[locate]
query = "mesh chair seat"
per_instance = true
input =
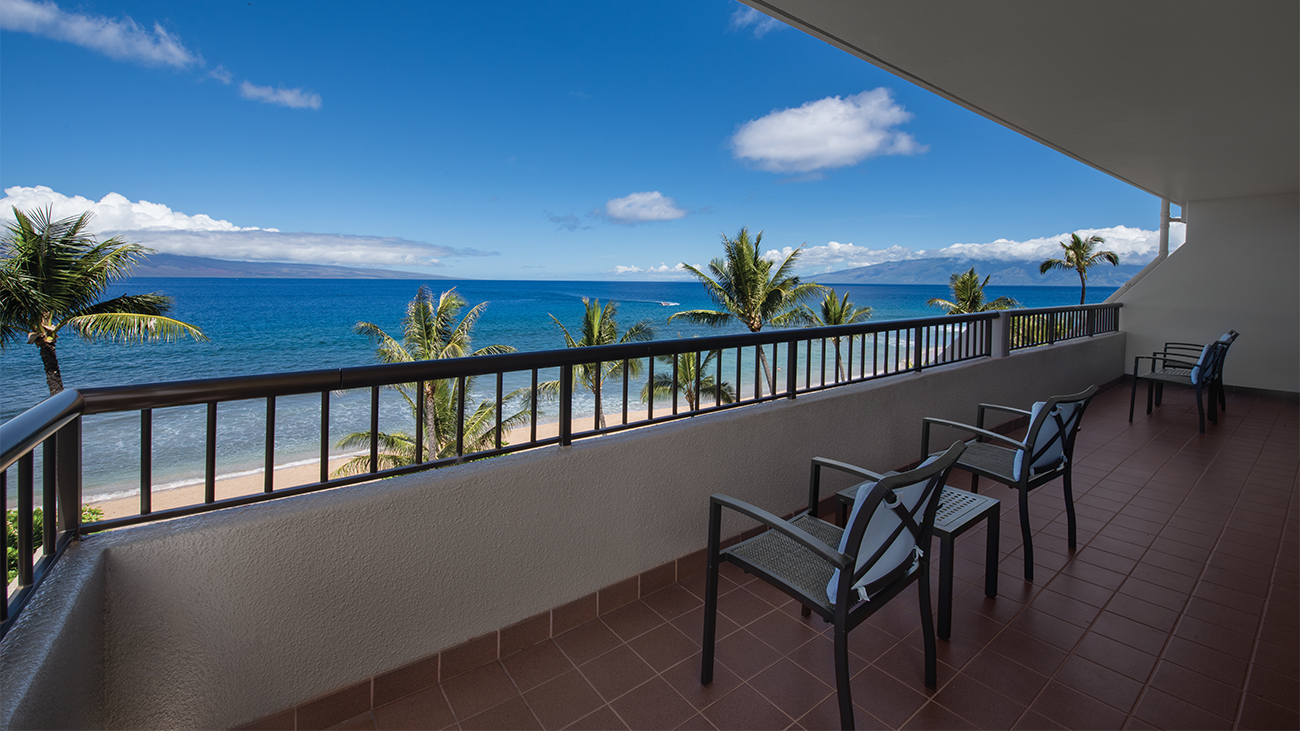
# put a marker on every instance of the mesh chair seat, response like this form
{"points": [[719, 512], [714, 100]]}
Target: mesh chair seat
{"points": [[989, 458], [1180, 376], [789, 561]]}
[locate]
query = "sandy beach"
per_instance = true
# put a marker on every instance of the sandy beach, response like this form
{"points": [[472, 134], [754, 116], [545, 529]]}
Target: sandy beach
{"points": [[304, 474]]}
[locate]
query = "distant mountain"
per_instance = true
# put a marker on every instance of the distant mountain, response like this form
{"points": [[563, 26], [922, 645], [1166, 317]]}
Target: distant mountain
{"points": [[175, 265], [1004, 273]]}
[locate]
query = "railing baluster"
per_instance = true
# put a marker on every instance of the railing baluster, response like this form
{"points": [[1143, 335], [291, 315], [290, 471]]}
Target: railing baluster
{"points": [[324, 436], [49, 467], [625, 387], [822, 375], [599, 405], [146, 461], [699, 397], [532, 409], [460, 416], [419, 418], [566, 405], [758, 372], [650, 379], [268, 469], [500, 396], [210, 468], [792, 368], [676, 375], [26, 466], [374, 429], [717, 379]]}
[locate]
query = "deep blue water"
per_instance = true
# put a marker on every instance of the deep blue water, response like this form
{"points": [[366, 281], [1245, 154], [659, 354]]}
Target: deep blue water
{"points": [[273, 326]]}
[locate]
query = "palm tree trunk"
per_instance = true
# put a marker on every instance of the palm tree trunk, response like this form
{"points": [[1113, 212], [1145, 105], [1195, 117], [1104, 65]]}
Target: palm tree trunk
{"points": [[53, 376], [1083, 284], [431, 421]]}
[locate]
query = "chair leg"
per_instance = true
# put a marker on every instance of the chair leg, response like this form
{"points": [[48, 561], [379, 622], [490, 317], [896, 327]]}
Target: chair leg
{"points": [[1071, 529], [1223, 399], [1160, 393], [974, 482], [1132, 399], [927, 626], [711, 595], [842, 677], [1024, 532], [1200, 410], [805, 611], [1151, 387]]}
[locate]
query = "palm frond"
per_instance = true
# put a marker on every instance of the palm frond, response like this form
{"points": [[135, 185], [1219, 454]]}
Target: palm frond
{"points": [[133, 328]]}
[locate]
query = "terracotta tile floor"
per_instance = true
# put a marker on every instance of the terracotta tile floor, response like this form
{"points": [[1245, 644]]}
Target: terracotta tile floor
{"points": [[1177, 611]]}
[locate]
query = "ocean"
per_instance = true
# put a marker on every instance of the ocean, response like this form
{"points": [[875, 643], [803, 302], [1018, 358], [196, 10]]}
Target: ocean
{"points": [[283, 325]]}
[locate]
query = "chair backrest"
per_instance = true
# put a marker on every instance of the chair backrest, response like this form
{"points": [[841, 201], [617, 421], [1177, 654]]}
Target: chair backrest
{"points": [[891, 520], [1207, 366], [1053, 425]]}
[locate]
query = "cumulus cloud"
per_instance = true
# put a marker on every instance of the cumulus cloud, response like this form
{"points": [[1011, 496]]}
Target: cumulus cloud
{"points": [[1134, 246], [642, 208], [292, 98], [123, 40], [828, 133], [747, 17], [173, 232]]}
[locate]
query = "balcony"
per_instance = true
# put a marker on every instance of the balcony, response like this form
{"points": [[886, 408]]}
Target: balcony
{"points": [[1178, 610]]}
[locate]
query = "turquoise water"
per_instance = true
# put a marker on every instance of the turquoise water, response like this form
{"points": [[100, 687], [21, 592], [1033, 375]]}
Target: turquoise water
{"points": [[273, 326]]}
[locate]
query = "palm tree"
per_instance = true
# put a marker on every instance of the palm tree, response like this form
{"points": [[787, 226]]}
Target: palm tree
{"points": [[751, 289], [1079, 256], [968, 296], [430, 332], [52, 274], [599, 327], [836, 310], [663, 384]]}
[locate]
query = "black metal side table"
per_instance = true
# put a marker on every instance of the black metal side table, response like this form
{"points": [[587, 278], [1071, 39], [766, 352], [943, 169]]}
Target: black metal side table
{"points": [[958, 512]]}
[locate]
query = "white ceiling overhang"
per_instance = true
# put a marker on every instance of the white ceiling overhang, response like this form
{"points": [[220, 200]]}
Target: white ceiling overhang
{"points": [[1186, 99]]}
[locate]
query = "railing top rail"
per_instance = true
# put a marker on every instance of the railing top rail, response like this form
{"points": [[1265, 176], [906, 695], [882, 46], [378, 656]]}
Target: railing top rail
{"points": [[22, 433], [182, 393]]}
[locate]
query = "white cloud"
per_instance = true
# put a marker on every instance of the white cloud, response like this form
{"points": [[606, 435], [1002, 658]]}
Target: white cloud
{"points": [[222, 74], [159, 227], [292, 98], [1134, 246], [827, 133], [663, 268], [747, 17], [841, 256], [642, 208], [124, 39]]}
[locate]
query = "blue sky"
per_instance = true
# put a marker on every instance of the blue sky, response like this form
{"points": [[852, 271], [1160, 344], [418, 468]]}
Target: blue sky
{"points": [[564, 140]]}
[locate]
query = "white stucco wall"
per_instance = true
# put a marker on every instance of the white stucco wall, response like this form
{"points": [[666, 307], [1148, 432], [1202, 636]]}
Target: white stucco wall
{"points": [[1240, 269], [212, 621]]}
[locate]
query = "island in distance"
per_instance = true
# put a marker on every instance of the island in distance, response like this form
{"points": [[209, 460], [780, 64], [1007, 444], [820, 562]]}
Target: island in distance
{"points": [[1005, 273], [176, 265]]}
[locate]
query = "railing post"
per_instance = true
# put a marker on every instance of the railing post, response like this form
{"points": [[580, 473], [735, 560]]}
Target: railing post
{"points": [[68, 476], [791, 369], [917, 351], [1091, 322], [1001, 345], [1051, 327], [566, 405]]}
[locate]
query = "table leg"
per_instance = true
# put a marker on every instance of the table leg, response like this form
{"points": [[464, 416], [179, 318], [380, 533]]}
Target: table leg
{"points": [[945, 586]]}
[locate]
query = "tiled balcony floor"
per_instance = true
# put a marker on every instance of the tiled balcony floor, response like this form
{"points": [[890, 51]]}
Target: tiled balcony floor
{"points": [[1177, 611]]}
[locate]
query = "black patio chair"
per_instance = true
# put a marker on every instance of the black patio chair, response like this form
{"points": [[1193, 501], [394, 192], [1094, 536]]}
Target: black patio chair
{"points": [[1201, 375], [1046, 453], [842, 574], [1183, 359]]}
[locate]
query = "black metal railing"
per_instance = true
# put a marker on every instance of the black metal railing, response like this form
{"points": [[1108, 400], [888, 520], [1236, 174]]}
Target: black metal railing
{"points": [[778, 364], [1030, 328]]}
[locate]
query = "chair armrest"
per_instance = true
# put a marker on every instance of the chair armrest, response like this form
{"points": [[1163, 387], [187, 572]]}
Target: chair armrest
{"points": [[927, 421], [815, 479], [846, 467], [979, 418], [785, 527]]}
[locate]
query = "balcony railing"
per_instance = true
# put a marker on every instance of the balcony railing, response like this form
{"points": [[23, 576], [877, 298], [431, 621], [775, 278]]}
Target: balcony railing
{"points": [[799, 360]]}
